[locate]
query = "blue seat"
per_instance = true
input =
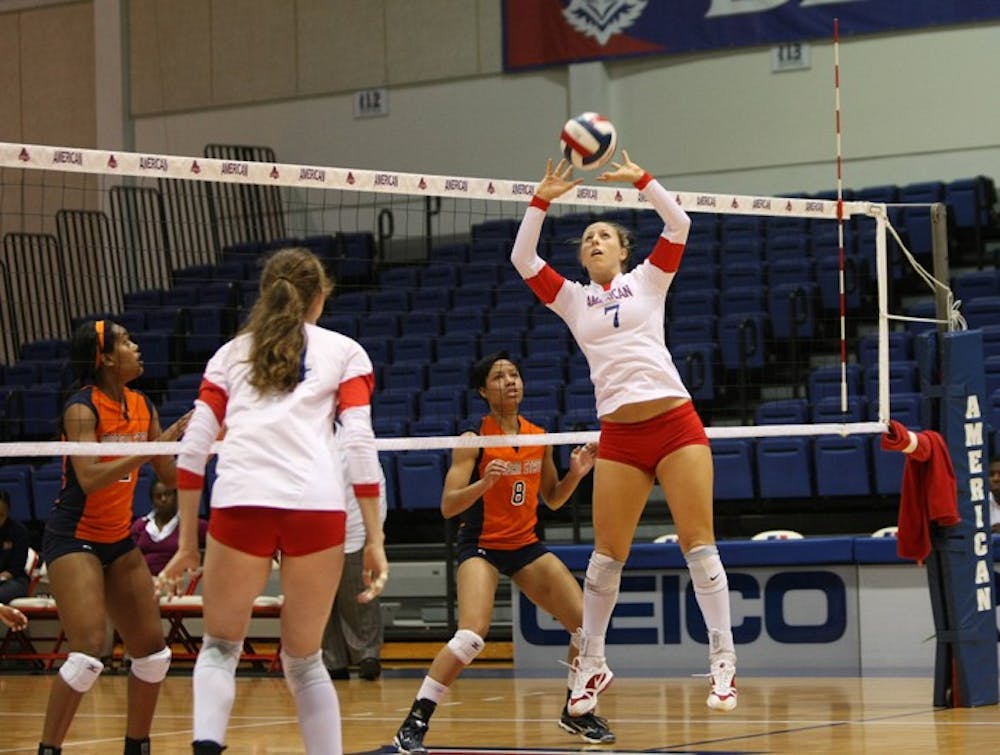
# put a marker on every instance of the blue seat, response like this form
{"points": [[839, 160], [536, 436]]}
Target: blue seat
{"points": [[542, 397], [487, 249], [926, 310], [969, 286], [789, 411], [982, 311], [904, 407], [407, 376], [542, 369], [413, 350], [691, 330], [780, 225], [432, 427], [741, 250], [796, 270], [342, 322], [442, 402], [500, 340], [457, 347], [741, 275], [902, 377], [448, 373], [452, 254], [900, 348], [390, 300], [697, 365], [991, 340], [354, 258], [828, 409], [993, 413], [394, 404], [971, 201], [479, 275], [46, 484], [399, 279], [232, 270], [209, 329], [696, 251], [10, 413], [379, 325], [792, 309], [40, 409], [917, 220], [842, 467], [784, 247], [15, 480], [784, 467], [157, 347], [389, 428], [698, 276], [421, 323], [742, 300], [21, 374], [826, 381], [218, 293], [887, 468], [146, 298], [507, 317], [468, 321], [697, 303], [578, 396], [742, 339], [741, 226], [436, 299], [184, 386], [992, 367], [46, 348], [498, 228], [555, 342], [733, 462], [420, 475], [439, 276], [182, 296], [828, 280], [470, 298], [345, 300], [167, 319], [172, 410]]}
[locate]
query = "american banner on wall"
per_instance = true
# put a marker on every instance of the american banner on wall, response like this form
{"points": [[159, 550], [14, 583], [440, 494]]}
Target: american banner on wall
{"points": [[539, 33]]}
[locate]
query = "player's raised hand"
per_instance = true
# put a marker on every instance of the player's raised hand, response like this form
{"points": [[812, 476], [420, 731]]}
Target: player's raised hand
{"points": [[557, 181], [626, 171]]}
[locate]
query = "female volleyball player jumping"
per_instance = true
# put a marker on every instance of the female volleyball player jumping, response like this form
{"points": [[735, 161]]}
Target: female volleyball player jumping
{"points": [[277, 389], [495, 491], [649, 428], [95, 569]]}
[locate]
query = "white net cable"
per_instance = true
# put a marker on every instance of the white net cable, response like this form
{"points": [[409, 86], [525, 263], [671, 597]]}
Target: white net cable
{"points": [[111, 167]]}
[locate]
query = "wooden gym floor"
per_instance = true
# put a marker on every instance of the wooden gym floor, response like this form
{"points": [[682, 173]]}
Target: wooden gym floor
{"points": [[491, 708]]}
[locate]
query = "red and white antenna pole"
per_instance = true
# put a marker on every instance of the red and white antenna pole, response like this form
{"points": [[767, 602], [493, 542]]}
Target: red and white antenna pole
{"points": [[840, 219]]}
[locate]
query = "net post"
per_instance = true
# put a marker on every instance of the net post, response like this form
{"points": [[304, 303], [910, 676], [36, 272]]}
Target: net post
{"points": [[939, 241], [882, 273]]}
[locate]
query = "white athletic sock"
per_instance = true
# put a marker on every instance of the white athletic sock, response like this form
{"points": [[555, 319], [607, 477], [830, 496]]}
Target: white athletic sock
{"points": [[316, 703], [432, 690], [600, 594], [214, 682], [711, 590]]}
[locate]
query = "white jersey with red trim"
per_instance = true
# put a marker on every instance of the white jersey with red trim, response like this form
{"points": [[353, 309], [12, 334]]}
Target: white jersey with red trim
{"points": [[280, 450], [619, 327]]}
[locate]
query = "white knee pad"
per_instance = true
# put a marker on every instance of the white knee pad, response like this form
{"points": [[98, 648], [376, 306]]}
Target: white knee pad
{"points": [[301, 673], [80, 671], [153, 668], [604, 574], [466, 645], [707, 573], [220, 653]]}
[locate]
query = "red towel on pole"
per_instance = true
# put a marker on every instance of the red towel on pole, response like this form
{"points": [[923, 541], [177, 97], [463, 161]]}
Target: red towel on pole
{"points": [[929, 494]]}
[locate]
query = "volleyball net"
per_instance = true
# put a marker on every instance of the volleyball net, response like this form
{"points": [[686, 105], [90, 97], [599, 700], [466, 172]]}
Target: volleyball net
{"points": [[778, 319]]}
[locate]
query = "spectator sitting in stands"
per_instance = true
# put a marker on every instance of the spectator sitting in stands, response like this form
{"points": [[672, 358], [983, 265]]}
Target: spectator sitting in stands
{"points": [[156, 534], [13, 554]]}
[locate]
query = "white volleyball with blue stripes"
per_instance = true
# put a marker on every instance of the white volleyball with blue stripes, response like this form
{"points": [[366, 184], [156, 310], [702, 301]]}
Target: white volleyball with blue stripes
{"points": [[588, 140]]}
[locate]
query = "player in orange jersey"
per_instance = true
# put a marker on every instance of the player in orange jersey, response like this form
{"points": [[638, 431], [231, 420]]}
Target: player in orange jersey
{"points": [[94, 567], [495, 491]]}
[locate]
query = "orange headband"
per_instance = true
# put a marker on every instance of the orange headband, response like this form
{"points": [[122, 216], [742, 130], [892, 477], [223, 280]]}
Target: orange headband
{"points": [[99, 329]]}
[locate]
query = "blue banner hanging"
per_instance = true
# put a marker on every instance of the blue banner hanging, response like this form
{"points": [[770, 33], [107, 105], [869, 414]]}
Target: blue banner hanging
{"points": [[540, 33]]}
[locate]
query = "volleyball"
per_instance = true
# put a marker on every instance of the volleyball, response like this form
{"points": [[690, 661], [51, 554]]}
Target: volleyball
{"points": [[588, 140]]}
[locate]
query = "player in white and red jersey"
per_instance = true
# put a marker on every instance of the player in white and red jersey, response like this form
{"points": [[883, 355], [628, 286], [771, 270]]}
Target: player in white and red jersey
{"points": [[276, 389], [649, 428]]}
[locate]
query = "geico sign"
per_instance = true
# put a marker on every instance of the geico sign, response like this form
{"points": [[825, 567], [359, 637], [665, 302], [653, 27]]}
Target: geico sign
{"points": [[652, 605]]}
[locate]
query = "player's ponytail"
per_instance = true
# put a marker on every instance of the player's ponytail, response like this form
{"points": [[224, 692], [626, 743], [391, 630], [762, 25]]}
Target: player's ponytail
{"points": [[289, 283]]}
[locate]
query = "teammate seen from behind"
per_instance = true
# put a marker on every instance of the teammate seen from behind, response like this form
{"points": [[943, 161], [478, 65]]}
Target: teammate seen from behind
{"points": [[495, 490], [95, 570], [649, 428], [277, 388]]}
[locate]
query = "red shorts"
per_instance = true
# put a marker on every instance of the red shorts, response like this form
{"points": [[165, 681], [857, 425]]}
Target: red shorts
{"points": [[262, 531], [644, 444]]}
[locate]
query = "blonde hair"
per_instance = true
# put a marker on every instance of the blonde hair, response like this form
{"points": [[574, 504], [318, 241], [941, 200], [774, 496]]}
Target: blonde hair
{"points": [[289, 284]]}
